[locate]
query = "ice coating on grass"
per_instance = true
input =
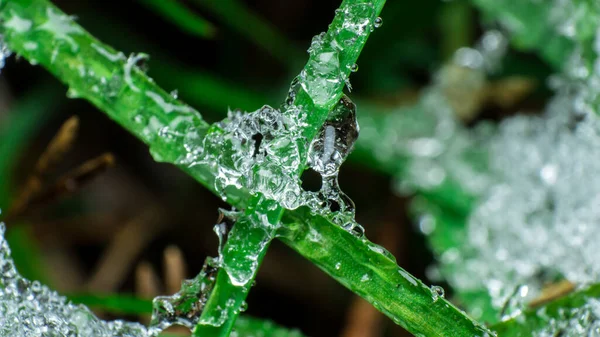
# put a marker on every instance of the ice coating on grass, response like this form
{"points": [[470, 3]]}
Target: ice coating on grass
{"points": [[29, 309], [261, 153], [324, 75]]}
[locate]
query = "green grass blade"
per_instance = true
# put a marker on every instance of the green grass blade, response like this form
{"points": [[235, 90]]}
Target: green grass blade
{"points": [[241, 258], [248, 327], [197, 86], [251, 26], [371, 272], [126, 100], [115, 303], [182, 17], [26, 254]]}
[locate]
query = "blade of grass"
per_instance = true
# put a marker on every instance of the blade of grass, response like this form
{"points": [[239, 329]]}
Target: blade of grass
{"points": [[26, 253], [241, 258], [198, 87], [126, 103], [371, 272], [177, 14], [122, 304], [256, 29]]}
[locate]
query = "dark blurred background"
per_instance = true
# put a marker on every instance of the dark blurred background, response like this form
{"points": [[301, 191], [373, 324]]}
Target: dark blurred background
{"points": [[113, 228]]}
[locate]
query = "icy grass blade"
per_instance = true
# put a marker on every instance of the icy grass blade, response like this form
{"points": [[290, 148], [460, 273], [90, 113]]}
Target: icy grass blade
{"points": [[240, 258], [115, 84], [372, 272], [114, 303], [248, 24], [577, 314], [182, 17]]}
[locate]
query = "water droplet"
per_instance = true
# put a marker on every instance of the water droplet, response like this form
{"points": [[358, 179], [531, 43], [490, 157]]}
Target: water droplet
{"points": [[378, 22], [437, 292], [338, 266], [353, 68], [244, 306]]}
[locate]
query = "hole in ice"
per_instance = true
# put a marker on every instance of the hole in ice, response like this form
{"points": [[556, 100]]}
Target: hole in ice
{"points": [[257, 137], [311, 180], [334, 205]]}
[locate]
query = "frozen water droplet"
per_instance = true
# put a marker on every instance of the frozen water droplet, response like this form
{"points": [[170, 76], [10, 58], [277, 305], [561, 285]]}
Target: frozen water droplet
{"points": [[378, 22], [244, 306], [335, 140], [329, 150], [338, 266], [222, 229], [355, 229], [437, 292], [133, 61], [321, 75]]}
